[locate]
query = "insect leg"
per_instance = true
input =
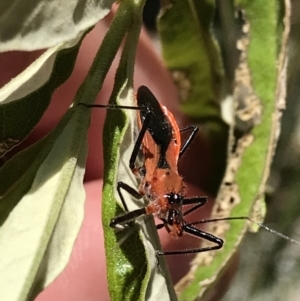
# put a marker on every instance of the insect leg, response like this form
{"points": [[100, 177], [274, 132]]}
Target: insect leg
{"points": [[130, 190], [199, 201], [142, 132], [121, 221], [199, 234], [139, 141], [194, 129], [109, 106]]}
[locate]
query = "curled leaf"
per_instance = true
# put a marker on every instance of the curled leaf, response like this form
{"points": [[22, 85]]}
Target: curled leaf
{"points": [[44, 24], [26, 97], [34, 225]]}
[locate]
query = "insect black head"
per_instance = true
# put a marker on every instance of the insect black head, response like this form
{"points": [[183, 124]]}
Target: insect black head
{"points": [[174, 198]]}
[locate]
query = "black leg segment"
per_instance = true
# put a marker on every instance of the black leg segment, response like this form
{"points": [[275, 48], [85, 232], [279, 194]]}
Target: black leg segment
{"points": [[199, 201], [130, 190], [122, 221], [199, 234], [194, 129], [139, 141]]}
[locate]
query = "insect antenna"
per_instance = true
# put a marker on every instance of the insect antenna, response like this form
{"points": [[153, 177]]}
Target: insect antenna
{"points": [[110, 106], [250, 220]]}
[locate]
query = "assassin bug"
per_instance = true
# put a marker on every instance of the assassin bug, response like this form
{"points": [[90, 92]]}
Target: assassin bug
{"points": [[159, 140]]}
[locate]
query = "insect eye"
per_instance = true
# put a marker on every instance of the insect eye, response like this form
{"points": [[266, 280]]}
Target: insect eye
{"points": [[142, 171], [173, 198]]}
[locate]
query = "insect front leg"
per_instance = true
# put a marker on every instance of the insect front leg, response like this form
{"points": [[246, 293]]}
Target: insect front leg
{"points": [[139, 141], [198, 201], [122, 221]]}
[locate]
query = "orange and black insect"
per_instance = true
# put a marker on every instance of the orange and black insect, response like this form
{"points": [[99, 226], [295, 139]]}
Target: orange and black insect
{"points": [[161, 185], [159, 141]]}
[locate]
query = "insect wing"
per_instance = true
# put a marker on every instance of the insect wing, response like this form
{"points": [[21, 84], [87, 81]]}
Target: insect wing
{"points": [[162, 127], [159, 126]]}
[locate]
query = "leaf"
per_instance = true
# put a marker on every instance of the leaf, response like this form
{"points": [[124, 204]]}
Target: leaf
{"points": [[38, 180], [44, 24], [67, 226], [256, 102], [192, 55], [40, 184], [42, 220], [27, 96], [133, 273], [132, 270]]}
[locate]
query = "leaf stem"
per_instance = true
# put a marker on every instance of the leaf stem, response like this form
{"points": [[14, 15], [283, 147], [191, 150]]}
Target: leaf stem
{"points": [[125, 71], [93, 82]]}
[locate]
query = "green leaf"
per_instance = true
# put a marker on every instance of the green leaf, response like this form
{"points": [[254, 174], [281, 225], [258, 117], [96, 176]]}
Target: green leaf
{"points": [[132, 270], [256, 102], [133, 273], [44, 24], [192, 56], [25, 98], [39, 188], [30, 235]]}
